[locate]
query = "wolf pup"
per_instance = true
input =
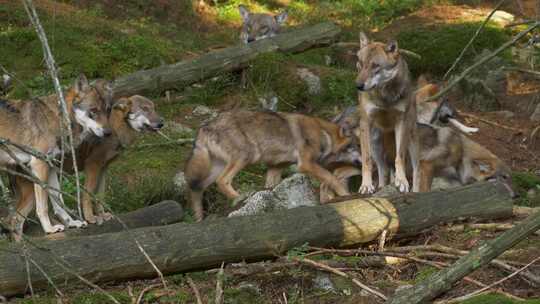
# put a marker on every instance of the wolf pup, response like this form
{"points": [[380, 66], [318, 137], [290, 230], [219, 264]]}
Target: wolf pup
{"points": [[36, 124], [258, 26], [236, 139], [386, 102], [127, 118]]}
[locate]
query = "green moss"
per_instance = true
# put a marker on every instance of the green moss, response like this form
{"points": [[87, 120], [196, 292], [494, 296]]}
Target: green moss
{"points": [[523, 182], [440, 45], [423, 273]]}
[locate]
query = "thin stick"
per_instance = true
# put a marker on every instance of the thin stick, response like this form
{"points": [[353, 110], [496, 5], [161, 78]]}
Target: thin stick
{"points": [[27, 266], [195, 289], [482, 290], [51, 65], [466, 48], [219, 285], [341, 274], [480, 62], [145, 290], [526, 71], [493, 123], [489, 227]]}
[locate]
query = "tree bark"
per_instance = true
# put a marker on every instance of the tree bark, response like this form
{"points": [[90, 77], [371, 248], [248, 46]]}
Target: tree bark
{"points": [[187, 72], [182, 247], [443, 280]]}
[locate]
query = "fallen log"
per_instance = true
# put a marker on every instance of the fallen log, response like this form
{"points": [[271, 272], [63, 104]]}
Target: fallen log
{"points": [[482, 254], [187, 72], [182, 247]]}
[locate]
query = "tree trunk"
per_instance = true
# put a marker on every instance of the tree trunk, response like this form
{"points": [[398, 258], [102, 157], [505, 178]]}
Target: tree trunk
{"points": [[187, 72], [160, 214], [182, 247], [443, 280]]}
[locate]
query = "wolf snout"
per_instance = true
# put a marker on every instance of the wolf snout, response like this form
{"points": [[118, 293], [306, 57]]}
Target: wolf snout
{"points": [[360, 86], [107, 132]]}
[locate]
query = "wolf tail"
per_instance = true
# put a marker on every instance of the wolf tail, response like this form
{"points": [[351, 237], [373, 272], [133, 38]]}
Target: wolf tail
{"points": [[197, 172]]}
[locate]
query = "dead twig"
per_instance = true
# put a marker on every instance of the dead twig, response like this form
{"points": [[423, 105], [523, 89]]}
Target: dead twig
{"points": [[195, 289], [493, 123], [339, 273], [489, 227], [466, 48], [524, 211], [482, 290], [219, 285], [145, 290]]}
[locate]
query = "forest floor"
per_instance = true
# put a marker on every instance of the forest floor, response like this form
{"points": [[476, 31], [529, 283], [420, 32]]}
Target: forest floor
{"points": [[109, 38]]}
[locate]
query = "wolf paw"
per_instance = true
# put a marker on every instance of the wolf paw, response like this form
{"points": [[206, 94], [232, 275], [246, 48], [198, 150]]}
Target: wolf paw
{"points": [[367, 189], [77, 224], [55, 229], [402, 185]]}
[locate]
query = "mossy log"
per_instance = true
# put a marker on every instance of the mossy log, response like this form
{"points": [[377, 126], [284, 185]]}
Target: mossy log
{"points": [[183, 247], [482, 254], [187, 72]]}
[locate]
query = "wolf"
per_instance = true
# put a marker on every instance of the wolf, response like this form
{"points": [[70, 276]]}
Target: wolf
{"points": [[259, 26], [36, 124], [236, 139], [127, 117], [386, 102], [436, 111]]}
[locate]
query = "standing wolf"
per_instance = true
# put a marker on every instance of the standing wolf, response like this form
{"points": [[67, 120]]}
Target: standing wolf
{"points": [[386, 102], [258, 26], [36, 124], [236, 139]]}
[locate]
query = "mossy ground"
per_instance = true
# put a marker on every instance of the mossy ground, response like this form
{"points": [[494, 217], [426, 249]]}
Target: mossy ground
{"points": [[112, 38]]}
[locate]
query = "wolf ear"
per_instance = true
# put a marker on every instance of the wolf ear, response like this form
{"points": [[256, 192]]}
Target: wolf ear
{"points": [[392, 46], [364, 41], [122, 104], [81, 83], [244, 12], [281, 18]]}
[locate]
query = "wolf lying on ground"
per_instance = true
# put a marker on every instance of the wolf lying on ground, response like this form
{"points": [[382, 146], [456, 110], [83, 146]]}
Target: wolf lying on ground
{"points": [[236, 139], [37, 124]]}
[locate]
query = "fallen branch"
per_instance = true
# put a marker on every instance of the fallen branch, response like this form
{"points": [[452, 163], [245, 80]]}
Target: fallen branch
{"points": [[482, 254], [145, 290], [466, 48], [526, 71], [219, 286], [480, 291], [194, 289], [489, 227], [525, 211], [312, 263]]}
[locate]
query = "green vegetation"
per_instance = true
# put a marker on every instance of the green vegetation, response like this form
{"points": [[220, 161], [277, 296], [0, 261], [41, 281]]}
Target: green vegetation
{"points": [[497, 299], [525, 183], [439, 46]]}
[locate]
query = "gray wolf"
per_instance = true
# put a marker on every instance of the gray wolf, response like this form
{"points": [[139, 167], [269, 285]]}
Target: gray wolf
{"points": [[386, 102], [37, 124], [236, 139], [257, 26]]}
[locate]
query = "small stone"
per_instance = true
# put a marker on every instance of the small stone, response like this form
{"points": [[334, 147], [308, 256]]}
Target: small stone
{"points": [[312, 81], [201, 110], [296, 191], [502, 18], [322, 281], [260, 202]]}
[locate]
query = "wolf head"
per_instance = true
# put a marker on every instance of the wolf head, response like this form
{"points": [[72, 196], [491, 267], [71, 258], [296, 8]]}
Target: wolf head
{"points": [[377, 63], [259, 26], [140, 113], [89, 107]]}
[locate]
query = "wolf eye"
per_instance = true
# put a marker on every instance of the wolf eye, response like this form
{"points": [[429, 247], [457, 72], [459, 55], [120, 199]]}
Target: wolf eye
{"points": [[375, 66]]}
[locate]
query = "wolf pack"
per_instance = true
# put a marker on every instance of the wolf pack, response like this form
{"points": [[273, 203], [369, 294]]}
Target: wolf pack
{"points": [[410, 138]]}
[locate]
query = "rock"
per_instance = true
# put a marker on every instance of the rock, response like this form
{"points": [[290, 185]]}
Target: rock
{"points": [[312, 81], [250, 287], [503, 18], [180, 182], [292, 192], [296, 191], [441, 183], [260, 202], [504, 114], [322, 281], [201, 110], [536, 114]]}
